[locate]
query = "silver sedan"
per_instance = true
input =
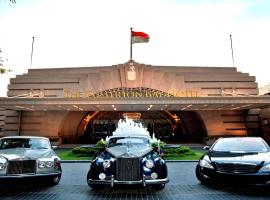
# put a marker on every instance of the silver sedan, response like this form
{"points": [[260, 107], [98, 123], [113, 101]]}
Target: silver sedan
{"points": [[29, 157]]}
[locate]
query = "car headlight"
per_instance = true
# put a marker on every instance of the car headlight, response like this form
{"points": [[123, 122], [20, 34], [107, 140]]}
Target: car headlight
{"points": [[206, 164], [149, 164], [3, 163], [106, 164], [265, 168], [45, 163]]}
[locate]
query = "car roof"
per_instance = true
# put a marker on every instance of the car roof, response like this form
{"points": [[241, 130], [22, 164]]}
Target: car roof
{"points": [[243, 138], [24, 137], [129, 135]]}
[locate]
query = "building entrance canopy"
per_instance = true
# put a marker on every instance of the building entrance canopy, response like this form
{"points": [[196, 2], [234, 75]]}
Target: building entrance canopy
{"points": [[135, 104]]}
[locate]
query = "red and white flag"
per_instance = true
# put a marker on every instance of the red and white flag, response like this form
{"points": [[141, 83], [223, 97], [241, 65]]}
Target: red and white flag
{"points": [[139, 37]]}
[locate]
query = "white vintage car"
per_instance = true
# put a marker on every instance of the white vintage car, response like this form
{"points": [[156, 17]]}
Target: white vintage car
{"points": [[29, 157]]}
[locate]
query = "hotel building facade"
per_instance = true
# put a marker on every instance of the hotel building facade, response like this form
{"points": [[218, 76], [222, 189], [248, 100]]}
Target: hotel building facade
{"points": [[176, 103]]}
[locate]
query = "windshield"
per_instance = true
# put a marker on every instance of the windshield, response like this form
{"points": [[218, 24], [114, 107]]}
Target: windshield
{"points": [[33, 143], [240, 145], [118, 141]]}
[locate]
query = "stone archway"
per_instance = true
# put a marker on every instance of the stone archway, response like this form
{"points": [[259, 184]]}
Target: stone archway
{"points": [[185, 126]]}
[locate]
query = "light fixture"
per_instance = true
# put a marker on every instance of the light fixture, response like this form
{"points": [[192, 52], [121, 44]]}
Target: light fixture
{"points": [[131, 73], [132, 115]]}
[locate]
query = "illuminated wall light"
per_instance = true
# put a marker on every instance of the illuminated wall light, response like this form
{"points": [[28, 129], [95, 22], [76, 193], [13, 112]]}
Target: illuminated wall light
{"points": [[75, 106], [235, 108], [186, 107], [134, 116], [114, 109], [20, 107], [245, 105], [113, 106]]}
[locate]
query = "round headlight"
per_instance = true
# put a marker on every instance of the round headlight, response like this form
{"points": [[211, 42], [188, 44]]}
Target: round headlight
{"points": [[106, 163], [154, 175], [102, 176], [41, 164], [149, 164], [3, 163], [2, 166], [49, 164]]}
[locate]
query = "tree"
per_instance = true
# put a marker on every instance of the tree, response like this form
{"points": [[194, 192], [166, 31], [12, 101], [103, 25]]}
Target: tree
{"points": [[2, 70]]}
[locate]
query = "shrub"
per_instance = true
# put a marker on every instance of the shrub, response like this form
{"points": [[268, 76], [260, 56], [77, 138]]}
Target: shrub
{"points": [[178, 152], [101, 144], [155, 144], [82, 152]]}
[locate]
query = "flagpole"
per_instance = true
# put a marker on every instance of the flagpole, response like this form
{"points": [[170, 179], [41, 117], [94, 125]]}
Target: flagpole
{"points": [[232, 50], [130, 43], [33, 39]]}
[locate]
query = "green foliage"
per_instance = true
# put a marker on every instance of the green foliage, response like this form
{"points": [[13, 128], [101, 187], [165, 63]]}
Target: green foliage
{"points": [[90, 151], [83, 152], [181, 153], [178, 152], [161, 144], [2, 71], [101, 144], [69, 155]]}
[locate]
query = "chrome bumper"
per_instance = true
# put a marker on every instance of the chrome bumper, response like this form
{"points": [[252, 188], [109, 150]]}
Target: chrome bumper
{"points": [[143, 182], [19, 176]]}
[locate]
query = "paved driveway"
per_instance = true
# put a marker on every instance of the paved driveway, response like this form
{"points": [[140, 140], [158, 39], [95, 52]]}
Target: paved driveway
{"points": [[182, 185]]}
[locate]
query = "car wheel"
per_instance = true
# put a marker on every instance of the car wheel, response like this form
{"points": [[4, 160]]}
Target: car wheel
{"points": [[159, 186], [54, 180], [200, 176]]}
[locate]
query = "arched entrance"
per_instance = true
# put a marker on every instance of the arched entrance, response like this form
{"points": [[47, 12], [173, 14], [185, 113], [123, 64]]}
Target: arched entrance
{"points": [[172, 127]]}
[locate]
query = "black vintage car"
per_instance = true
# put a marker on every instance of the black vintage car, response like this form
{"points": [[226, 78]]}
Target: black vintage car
{"points": [[238, 159], [128, 159]]}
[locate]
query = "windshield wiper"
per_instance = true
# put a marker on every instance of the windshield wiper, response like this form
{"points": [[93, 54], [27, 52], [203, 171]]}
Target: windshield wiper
{"points": [[40, 147]]}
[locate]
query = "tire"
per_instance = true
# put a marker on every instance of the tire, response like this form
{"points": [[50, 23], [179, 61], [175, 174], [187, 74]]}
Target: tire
{"points": [[200, 176], [159, 186]]}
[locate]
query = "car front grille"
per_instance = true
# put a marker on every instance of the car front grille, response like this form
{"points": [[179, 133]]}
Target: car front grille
{"points": [[240, 168], [21, 167], [128, 169]]}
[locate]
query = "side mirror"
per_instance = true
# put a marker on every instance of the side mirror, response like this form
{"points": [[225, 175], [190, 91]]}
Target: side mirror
{"points": [[206, 148]]}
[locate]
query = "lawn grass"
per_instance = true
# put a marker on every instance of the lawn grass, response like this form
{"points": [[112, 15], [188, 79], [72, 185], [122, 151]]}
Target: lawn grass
{"points": [[69, 155], [195, 156]]}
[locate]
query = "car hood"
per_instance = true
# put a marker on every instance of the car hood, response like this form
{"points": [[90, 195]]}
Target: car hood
{"points": [[125, 151], [230, 157], [26, 154]]}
